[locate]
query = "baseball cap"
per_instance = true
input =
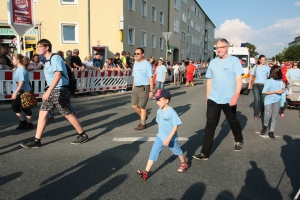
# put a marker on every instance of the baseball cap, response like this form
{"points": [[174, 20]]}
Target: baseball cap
{"points": [[97, 53], [162, 93], [287, 63]]}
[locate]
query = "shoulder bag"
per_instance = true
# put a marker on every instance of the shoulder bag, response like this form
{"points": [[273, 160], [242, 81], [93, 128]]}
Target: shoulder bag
{"points": [[28, 99]]}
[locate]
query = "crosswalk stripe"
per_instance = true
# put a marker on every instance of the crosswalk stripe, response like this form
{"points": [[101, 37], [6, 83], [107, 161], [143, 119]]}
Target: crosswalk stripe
{"points": [[142, 139], [276, 136]]}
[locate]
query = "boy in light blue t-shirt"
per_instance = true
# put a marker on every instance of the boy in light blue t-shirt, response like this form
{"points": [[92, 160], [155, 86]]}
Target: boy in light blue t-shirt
{"points": [[168, 122]]}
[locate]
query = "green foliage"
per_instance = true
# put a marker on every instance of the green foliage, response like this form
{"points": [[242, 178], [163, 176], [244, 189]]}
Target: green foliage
{"points": [[252, 49], [293, 53]]}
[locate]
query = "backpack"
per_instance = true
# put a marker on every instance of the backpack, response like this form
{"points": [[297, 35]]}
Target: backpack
{"points": [[71, 78]]}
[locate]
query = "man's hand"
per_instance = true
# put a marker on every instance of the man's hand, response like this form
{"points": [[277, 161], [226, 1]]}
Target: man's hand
{"points": [[150, 95], [234, 100], [46, 96], [166, 142], [249, 87]]}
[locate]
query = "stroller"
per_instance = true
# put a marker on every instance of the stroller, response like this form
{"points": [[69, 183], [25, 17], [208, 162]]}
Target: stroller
{"points": [[294, 93]]}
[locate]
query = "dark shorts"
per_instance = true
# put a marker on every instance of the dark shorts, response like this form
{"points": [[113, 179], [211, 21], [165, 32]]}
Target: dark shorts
{"points": [[140, 96], [60, 99]]}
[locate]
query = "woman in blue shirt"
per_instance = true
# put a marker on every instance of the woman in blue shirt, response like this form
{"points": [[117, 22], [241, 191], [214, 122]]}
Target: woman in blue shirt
{"points": [[21, 84], [273, 89], [261, 74]]}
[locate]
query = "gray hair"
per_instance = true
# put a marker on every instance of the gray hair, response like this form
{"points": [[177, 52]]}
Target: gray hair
{"points": [[69, 53], [222, 40]]}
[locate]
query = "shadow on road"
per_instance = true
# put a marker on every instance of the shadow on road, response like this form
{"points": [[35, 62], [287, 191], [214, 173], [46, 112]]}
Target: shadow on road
{"points": [[81, 177], [290, 156], [225, 195], [256, 186], [196, 191], [10, 177]]}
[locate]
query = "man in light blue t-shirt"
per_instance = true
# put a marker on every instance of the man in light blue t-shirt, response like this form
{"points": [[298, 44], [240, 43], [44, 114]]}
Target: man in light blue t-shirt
{"points": [[223, 88], [142, 87], [56, 94]]}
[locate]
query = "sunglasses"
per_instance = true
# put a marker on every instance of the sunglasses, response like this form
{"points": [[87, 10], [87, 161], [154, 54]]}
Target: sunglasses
{"points": [[136, 53]]}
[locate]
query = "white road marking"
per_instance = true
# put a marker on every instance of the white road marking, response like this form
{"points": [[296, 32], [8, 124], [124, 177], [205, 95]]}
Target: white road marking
{"points": [[266, 136], [147, 139]]}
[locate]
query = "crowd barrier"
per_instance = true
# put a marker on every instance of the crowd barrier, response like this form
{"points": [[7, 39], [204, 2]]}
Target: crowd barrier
{"points": [[87, 81]]}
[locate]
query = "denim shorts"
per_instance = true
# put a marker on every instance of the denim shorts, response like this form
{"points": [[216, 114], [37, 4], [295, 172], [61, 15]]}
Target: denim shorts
{"points": [[158, 147], [59, 98]]}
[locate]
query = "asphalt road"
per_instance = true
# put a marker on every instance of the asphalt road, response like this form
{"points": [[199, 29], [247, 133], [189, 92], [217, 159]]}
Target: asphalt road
{"points": [[105, 168]]}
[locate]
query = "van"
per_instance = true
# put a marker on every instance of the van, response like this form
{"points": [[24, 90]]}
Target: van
{"points": [[242, 54]]}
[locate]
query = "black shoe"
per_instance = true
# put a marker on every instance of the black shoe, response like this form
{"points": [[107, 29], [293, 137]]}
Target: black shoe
{"points": [[200, 156], [28, 126], [263, 130], [80, 139], [22, 125], [271, 135], [32, 144], [238, 146]]}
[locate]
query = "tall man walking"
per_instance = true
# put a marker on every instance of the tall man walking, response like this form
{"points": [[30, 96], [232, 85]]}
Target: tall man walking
{"points": [[57, 94], [142, 87], [223, 88]]}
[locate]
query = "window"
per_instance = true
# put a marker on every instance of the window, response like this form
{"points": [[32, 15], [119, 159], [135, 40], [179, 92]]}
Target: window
{"points": [[153, 14], [192, 23], [161, 17], [70, 2], [69, 33], [131, 36], [188, 29], [131, 5], [183, 54], [185, 1], [183, 36], [176, 25], [144, 9], [144, 39], [184, 17], [161, 43], [189, 15], [177, 5], [153, 41]]}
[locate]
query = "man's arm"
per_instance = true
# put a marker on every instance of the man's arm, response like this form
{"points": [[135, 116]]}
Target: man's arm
{"points": [[57, 76], [238, 88], [208, 87]]}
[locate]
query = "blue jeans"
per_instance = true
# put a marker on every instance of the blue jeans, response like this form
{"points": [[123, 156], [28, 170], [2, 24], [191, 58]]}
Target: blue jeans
{"points": [[258, 99], [159, 85]]}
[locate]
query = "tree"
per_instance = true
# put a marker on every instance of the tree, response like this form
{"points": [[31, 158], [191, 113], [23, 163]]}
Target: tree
{"points": [[292, 53], [252, 49]]}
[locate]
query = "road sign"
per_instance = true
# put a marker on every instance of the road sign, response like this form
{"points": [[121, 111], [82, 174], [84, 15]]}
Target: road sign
{"points": [[20, 15], [167, 35]]}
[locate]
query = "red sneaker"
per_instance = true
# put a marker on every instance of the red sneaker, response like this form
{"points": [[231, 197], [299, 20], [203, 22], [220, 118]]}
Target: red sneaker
{"points": [[143, 174], [183, 167]]}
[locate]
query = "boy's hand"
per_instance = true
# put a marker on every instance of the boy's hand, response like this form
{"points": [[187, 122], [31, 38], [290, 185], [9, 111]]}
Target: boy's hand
{"points": [[166, 142]]}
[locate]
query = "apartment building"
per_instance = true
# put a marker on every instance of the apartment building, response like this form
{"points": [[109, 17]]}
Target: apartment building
{"points": [[110, 26], [192, 32]]}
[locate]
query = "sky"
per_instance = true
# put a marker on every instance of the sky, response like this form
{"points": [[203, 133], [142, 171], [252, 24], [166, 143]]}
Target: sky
{"points": [[268, 24]]}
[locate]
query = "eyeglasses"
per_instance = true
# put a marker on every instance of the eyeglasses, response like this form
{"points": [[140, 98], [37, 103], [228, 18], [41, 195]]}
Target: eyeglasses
{"points": [[136, 53], [40, 46], [220, 47]]}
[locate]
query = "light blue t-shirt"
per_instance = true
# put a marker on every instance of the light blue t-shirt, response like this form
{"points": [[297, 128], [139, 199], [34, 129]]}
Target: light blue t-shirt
{"points": [[142, 71], [57, 64], [21, 75], [272, 85], [160, 73], [293, 74], [223, 73], [166, 120], [262, 73]]}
